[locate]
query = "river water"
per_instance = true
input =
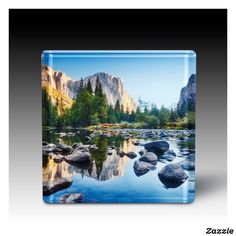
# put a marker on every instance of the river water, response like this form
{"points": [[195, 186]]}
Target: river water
{"points": [[111, 178]]}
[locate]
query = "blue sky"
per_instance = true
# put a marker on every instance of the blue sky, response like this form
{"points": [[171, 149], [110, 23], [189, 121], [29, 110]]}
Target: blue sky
{"points": [[155, 77]]}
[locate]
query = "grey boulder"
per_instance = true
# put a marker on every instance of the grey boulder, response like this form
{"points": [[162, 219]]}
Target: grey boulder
{"points": [[141, 167], [78, 156], [58, 158], [167, 157], [131, 155], [172, 175], [149, 157], [158, 147], [71, 198], [56, 185], [188, 165], [66, 149]]}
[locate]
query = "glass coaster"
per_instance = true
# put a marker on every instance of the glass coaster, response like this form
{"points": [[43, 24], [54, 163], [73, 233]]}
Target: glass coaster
{"points": [[118, 126]]}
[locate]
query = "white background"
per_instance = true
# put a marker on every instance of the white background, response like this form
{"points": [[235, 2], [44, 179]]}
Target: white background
{"points": [[126, 220]]}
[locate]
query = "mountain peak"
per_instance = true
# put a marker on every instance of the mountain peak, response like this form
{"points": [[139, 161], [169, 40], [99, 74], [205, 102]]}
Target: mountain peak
{"points": [[112, 86]]}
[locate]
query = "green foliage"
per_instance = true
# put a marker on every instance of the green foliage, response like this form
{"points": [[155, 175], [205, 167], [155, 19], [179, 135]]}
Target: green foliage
{"points": [[91, 108], [152, 121], [49, 112]]}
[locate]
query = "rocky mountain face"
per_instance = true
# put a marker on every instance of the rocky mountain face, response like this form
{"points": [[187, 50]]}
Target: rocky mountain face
{"points": [[56, 84], [112, 86], [188, 96]]}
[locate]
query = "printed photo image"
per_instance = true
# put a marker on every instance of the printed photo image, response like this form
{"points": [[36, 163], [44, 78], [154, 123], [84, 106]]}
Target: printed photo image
{"points": [[118, 126]]}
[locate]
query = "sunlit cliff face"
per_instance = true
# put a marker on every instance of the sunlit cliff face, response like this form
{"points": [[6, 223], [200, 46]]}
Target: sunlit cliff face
{"points": [[54, 170], [61, 87]]}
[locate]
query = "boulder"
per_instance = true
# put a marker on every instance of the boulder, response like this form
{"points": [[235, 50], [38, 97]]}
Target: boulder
{"points": [[76, 145], [158, 147], [188, 165], [171, 152], [58, 158], [57, 150], [109, 152], [149, 157], [131, 155], [78, 156], [82, 148], [45, 143], [142, 151], [141, 167], [71, 198], [172, 175], [66, 149], [135, 142], [163, 134], [191, 157], [167, 157], [56, 185], [121, 153]]}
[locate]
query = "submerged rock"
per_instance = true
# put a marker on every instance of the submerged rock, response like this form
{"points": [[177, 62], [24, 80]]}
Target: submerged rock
{"points": [[158, 147], [58, 158], [172, 175], [188, 165], [131, 155], [149, 157], [56, 185], [191, 157], [171, 152], [71, 198], [78, 156], [141, 167], [167, 157]]}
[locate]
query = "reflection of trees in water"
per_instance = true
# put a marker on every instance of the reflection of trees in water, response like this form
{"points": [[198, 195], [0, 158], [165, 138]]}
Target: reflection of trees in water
{"points": [[103, 166]]}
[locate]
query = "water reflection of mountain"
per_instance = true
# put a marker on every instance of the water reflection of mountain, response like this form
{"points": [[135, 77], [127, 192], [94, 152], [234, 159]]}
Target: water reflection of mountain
{"points": [[55, 171], [112, 166]]}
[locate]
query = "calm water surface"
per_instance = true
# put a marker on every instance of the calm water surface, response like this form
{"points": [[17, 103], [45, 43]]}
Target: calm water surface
{"points": [[110, 178]]}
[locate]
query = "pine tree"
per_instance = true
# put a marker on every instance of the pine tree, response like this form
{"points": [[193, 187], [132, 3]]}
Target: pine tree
{"points": [[89, 87]]}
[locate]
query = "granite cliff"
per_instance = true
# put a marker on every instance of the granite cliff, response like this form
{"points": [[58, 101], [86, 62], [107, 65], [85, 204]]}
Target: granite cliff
{"points": [[61, 85]]}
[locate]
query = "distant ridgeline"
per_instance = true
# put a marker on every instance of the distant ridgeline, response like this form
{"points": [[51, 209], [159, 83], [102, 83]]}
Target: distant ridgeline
{"points": [[61, 88], [102, 98]]}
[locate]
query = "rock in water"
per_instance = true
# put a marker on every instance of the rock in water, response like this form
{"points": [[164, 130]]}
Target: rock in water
{"points": [[131, 155], [66, 149], [167, 157], [121, 153], [58, 158], [188, 165], [191, 157], [76, 145], [158, 147], [71, 198], [172, 175], [78, 156], [56, 185], [142, 151], [45, 143], [149, 157], [141, 167], [171, 152]]}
